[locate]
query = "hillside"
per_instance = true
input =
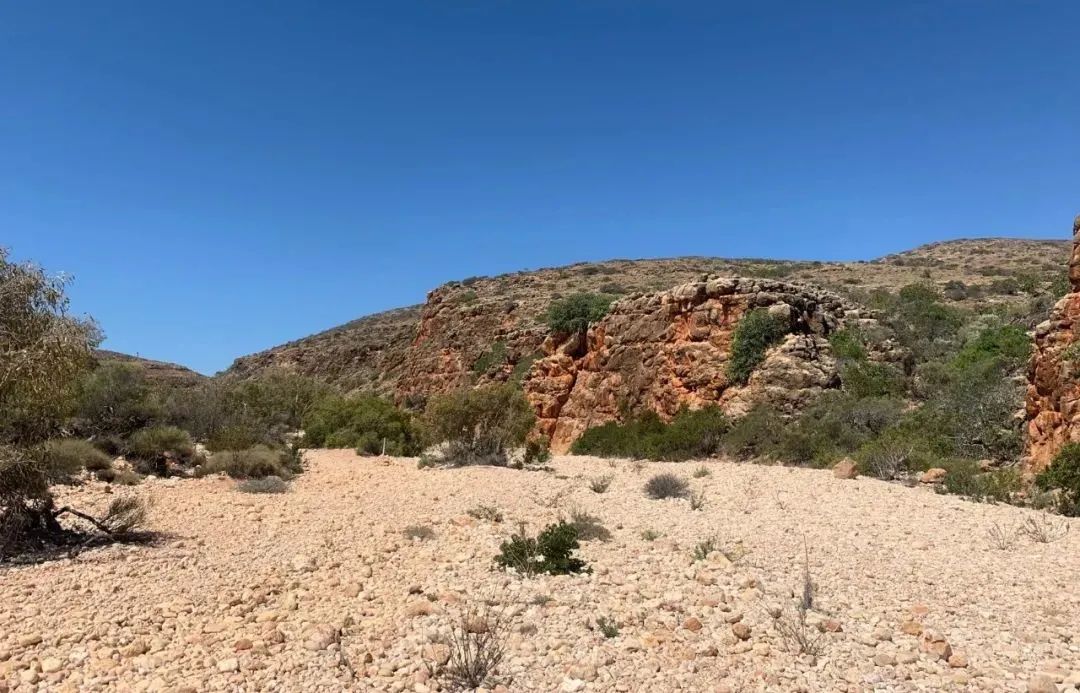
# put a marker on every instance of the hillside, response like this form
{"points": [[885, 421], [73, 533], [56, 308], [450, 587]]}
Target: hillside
{"points": [[437, 345], [160, 372]]}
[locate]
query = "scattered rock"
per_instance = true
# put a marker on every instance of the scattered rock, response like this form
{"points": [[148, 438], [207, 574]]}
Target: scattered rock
{"points": [[846, 469], [934, 475]]}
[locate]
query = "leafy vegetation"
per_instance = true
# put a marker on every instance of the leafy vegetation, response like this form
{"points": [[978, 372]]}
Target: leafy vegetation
{"points": [[666, 485], [257, 462], [366, 423], [151, 449], [1063, 474], [549, 552], [575, 313], [689, 435], [477, 426], [756, 332], [45, 354]]}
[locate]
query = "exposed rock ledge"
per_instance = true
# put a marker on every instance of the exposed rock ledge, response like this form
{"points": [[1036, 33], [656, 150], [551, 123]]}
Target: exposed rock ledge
{"points": [[670, 349], [1053, 393]]}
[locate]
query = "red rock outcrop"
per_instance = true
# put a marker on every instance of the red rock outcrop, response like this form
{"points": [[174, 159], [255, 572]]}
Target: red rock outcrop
{"points": [[1053, 394], [667, 350]]}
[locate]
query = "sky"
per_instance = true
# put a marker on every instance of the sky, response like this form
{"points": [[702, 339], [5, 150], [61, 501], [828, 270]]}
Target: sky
{"points": [[219, 178]]}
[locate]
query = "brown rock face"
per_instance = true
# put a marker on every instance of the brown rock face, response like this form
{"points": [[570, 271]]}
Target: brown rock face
{"points": [[663, 351], [1052, 410]]}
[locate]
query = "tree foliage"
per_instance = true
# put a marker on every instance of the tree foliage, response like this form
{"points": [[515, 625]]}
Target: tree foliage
{"points": [[43, 353], [576, 312]]}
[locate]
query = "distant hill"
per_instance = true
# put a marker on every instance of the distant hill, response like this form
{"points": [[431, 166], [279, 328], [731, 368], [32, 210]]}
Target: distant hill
{"points": [[169, 374], [435, 346]]}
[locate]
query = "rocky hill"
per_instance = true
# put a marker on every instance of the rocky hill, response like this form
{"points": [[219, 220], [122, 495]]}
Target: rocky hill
{"points": [[491, 328], [160, 372]]}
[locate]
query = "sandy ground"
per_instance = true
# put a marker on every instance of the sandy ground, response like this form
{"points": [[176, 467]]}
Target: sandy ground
{"points": [[318, 589]]}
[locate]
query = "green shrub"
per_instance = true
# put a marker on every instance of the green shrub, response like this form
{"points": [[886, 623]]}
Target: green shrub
{"points": [[364, 423], [868, 379], [478, 426], [964, 478], [537, 452], [44, 354], [756, 332], [848, 344], [1064, 474], [72, 455], [666, 485], [151, 449], [549, 552], [690, 434], [755, 434], [496, 356], [232, 412], [117, 399], [267, 484], [254, 463], [575, 313]]}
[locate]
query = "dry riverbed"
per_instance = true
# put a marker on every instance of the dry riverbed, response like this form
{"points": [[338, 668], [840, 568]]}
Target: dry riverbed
{"points": [[318, 589]]}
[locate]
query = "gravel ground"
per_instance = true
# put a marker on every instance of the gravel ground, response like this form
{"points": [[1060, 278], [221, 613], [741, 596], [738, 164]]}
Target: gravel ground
{"points": [[318, 589]]}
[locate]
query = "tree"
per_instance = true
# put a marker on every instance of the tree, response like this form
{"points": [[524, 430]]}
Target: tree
{"points": [[43, 353], [117, 399]]}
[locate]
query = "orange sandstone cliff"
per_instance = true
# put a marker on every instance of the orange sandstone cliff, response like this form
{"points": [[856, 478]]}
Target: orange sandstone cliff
{"points": [[1053, 393], [667, 350]]}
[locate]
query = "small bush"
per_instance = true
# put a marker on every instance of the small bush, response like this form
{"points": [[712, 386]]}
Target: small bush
{"points": [[964, 478], [254, 463], [486, 512], [477, 643], [666, 486], [703, 548], [701, 472], [267, 484], [549, 552], [537, 452], [1064, 474], [600, 484], [1043, 529], [72, 454], [697, 500], [607, 627], [152, 448], [588, 526], [496, 356], [420, 532], [650, 534], [575, 313], [756, 332]]}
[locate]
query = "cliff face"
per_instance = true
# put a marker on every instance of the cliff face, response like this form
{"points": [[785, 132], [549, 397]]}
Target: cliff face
{"points": [[491, 328], [1053, 393], [461, 340], [671, 349]]}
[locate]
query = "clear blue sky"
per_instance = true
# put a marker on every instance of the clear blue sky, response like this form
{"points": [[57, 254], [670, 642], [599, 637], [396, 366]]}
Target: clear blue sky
{"points": [[221, 177]]}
